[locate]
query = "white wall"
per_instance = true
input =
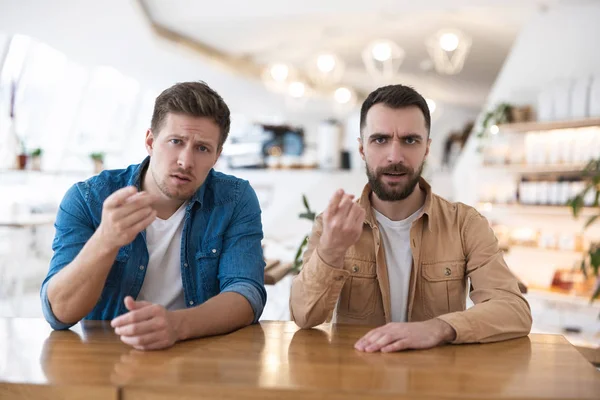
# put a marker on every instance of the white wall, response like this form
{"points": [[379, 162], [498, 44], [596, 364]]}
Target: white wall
{"points": [[560, 43]]}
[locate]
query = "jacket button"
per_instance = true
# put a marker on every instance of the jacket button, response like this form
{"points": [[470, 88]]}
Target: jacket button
{"points": [[214, 251], [191, 303], [185, 265], [447, 272], [355, 268], [141, 267]]}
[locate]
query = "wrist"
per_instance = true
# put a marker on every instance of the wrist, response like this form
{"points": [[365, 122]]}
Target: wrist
{"points": [[178, 322], [103, 244], [333, 257], [446, 332]]}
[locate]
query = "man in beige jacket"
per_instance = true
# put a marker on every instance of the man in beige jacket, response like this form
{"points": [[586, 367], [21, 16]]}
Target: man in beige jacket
{"points": [[400, 256]]}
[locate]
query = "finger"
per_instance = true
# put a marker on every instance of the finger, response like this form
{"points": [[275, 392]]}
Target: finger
{"points": [[143, 340], [117, 198], [335, 200], [374, 334], [132, 304], [163, 344], [142, 328], [345, 205], [398, 345], [382, 341], [138, 202], [367, 339], [356, 216], [140, 226], [130, 220], [134, 316]]}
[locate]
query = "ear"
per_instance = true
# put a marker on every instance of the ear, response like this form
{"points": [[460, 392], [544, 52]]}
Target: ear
{"points": [[149, 142], [219, 151], [427, 150], [361, 148]]}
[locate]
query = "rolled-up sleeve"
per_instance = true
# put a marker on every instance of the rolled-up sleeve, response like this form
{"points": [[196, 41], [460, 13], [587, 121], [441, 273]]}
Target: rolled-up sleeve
{"points": [[500, 312], [73, 228], [241, 265]]}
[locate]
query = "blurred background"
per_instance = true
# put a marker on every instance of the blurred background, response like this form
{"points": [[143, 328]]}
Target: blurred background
{"points": [[513, 86]]}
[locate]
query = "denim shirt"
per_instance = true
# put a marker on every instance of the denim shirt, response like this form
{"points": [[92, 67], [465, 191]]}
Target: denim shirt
{"points": [[220, 245]]}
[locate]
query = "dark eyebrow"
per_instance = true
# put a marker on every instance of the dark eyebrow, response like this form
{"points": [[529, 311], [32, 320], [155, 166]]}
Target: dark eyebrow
{"points": [[196, 142], [382, 135]]}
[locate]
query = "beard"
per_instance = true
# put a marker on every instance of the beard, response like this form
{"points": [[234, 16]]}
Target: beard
{"points": [[174, 193], [395, 191]]}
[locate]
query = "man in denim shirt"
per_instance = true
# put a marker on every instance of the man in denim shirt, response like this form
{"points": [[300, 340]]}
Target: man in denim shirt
{"points": [[168, 249]]}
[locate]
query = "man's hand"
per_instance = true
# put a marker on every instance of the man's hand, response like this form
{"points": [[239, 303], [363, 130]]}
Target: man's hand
{"points": [[146, 326], [125, 213], [397, 336], [342, 226]]}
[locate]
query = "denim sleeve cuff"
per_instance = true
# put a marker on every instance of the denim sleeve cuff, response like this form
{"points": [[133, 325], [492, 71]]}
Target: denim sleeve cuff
{"points": [[254, 296], [47, 310]]}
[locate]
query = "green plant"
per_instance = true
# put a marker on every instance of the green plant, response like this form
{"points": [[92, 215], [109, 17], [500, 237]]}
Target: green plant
{"points": [[501, 114], [97, 156], [591, 260], [309, 215], [37, 152]]}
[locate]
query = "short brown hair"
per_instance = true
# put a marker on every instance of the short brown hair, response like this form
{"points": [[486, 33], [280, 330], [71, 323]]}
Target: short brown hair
{"points": [[395, 96], [195, 99]]}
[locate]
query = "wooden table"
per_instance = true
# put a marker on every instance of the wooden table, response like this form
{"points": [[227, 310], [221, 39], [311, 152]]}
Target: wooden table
{"points": [[276, 360]]}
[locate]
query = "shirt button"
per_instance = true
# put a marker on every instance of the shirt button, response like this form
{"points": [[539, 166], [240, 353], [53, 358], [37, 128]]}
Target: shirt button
{"points": [[191, 303], [214, 251], [447, 272], [355, 268], [141, 267]]}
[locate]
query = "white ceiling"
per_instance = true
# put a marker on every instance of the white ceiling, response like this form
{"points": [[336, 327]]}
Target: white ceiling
{"points": [[273, 30]]}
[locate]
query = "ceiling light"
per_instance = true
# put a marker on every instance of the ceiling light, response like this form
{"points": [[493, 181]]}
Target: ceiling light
{"points": [[382, 59], [449, 41], [448, 50], [326, 62], [494, 129], [297, 89], [342, 95], [381, 51], [279, 72]]}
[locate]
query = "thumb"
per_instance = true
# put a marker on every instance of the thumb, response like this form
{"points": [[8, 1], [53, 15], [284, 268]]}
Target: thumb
{"points": [[132, 304]]}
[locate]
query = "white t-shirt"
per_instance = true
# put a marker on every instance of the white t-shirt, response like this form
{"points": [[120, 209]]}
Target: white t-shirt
{"points": [[162, 283], [395, 236]]}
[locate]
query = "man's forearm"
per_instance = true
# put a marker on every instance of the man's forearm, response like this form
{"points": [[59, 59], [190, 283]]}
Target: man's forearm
{"points": [[223, 313], [74, 291]]}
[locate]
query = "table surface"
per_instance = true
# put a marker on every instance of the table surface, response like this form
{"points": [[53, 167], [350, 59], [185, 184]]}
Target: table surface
{"points": [[277, 360]]}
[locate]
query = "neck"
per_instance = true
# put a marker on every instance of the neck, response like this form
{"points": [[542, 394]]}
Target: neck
{"points": [[400, 209], [164, 206]]}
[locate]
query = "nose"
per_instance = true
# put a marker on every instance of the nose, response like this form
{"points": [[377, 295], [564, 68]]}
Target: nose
{"points": [[185, 159], [395, 154]]}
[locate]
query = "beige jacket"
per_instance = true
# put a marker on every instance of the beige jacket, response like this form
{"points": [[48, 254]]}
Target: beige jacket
{"points": [[450, 243]]}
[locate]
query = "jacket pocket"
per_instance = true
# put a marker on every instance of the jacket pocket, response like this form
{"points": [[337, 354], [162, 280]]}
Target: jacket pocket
{"points": [[207, 263], [116, 270], [443, 287], [359, 294]]}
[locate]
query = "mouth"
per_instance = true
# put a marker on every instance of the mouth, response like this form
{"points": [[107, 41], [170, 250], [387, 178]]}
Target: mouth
{"points": [[394, 177], [181, 179]]}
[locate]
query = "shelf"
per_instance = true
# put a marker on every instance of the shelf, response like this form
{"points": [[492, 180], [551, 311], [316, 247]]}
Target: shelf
{"points": [[536, 168], [565, 211], [525, 127]]}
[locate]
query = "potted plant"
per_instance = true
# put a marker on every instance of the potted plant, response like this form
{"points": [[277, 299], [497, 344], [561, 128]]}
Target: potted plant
{"points": [[36, 159], [98, 159], [309, 215], [590, 264]]}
